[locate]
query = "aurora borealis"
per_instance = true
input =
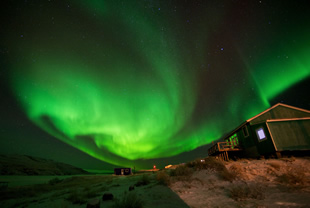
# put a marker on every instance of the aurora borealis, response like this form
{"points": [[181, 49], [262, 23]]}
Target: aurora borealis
{"points": [[126, 81]]}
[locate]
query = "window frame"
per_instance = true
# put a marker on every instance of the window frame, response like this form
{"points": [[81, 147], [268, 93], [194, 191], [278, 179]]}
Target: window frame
{"points": [[247, 131], [257, 134]]}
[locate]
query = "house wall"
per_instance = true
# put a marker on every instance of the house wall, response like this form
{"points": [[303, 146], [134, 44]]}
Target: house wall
{"points": [[280, 112], [247, 143], [291, 135], [264, 146], [253, 146]]}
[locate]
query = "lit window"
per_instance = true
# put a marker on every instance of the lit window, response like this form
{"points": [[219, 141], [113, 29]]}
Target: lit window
{"points": [[260, 133]]}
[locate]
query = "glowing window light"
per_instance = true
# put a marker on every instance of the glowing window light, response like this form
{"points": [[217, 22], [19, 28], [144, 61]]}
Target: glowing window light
{"points": [[260, 133]]}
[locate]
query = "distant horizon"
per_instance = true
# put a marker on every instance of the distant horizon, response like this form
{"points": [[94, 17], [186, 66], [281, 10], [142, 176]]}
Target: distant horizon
{"points": [[102, 171]]}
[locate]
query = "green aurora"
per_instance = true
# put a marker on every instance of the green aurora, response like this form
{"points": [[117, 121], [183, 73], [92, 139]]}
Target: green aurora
{"points": [[126, 84]]}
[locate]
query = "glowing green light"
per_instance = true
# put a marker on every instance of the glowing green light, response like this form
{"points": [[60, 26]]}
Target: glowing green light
{"points": [[274, 76], [134, 120], [130, 90]]}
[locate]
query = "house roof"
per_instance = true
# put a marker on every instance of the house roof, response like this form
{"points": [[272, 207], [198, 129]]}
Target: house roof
{"points": [[274, 106], [287, 119]]}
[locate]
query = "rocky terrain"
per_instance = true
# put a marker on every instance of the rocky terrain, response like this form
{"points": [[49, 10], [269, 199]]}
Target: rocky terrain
{"points": [[203, 183], [28, 165], [263, 183]]}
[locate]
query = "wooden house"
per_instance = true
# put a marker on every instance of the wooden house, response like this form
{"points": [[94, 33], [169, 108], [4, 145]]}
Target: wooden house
{"points": [[122, 171], [279, 129]]}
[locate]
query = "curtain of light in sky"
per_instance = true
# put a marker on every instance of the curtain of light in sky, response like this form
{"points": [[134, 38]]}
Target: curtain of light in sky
{"points": [[126, 88]]}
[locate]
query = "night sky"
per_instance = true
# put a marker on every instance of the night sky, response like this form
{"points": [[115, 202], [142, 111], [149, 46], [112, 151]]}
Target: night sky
{"points": [[135, 83]]}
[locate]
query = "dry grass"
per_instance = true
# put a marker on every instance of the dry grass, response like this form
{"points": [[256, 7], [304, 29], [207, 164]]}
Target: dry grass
{"points": [[275, 165], [53, 185], [198, 180], [24, 192], [76, 197], [227, 175], [82, 195], [129, 200], [207, 163], [237, 170], [182, 170], [181, 173], [244, 191], [163, 178], [294, 176], [288, 159], [214, 164], [197, 164], [254, 183], [144, 180]]}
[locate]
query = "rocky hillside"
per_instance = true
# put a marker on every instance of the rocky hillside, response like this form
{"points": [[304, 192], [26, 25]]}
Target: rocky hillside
{"points": [[262, 183], [28, 165]]}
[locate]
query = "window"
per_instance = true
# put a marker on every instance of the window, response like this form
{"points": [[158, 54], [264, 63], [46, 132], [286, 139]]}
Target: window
{"points": [[260, 134], [245, 131], [233, 140]]}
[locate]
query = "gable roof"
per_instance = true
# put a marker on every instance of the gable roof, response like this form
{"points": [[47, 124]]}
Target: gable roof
{"points": [[276, 105], [267, 110]]}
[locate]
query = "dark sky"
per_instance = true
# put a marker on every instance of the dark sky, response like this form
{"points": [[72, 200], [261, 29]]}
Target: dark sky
{"points": [[136, 83]]}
